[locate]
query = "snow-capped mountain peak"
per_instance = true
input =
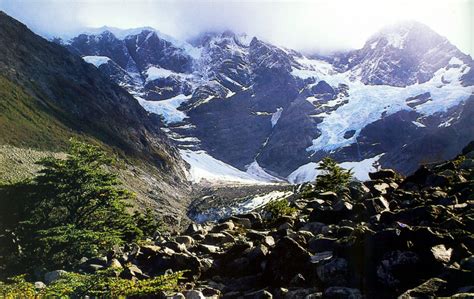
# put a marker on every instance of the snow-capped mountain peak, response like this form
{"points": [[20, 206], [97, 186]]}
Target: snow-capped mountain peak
{"points": [[243, 101]]}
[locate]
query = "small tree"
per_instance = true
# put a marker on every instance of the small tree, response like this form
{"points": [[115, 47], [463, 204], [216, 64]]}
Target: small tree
{"points": [[334, 177], [75, 207]]}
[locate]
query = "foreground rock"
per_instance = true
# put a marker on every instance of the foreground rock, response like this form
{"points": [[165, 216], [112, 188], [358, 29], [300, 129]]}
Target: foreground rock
{"points": [[388, 237]]}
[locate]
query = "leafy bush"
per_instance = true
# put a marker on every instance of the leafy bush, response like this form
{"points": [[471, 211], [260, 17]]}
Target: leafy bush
{"points": [[75, 207], [333, 178], [101, 284], [279, 208]]}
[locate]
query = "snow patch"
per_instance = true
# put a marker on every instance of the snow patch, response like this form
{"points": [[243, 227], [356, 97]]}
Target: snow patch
{"points": [[418, 124], [166, 108], [367, 103], [153, 73], [362, 168], [304, 173], [276, 116], [309, 172], [455, 61], [257, 171], [446, 123], [96, 60], [396, 39], [204, 167]]}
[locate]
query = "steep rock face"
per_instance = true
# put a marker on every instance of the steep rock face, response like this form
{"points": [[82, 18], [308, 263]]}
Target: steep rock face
{"points": [[61, 96], [244, 100], [147, 48], [400, 55]]}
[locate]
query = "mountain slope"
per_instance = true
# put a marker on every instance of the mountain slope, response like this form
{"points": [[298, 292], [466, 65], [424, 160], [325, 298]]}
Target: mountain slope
{"points": [[49, 95], [247, 102]]}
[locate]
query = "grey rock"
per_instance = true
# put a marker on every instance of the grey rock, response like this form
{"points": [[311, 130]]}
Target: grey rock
{"points": [[39, 285], [342, 293], [194, 294], [52, 276], [187, 241], [333, 272]]}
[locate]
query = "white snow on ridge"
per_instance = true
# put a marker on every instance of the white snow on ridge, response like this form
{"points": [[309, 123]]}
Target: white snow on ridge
{"points": [[204, 167], [166, 108], [96, 60], [276, 116], [309, 172], [396, 39], [418, 124], [362, 168], [304, 173], [367, 103], [256, 170], [153, 73], [455, 61]]}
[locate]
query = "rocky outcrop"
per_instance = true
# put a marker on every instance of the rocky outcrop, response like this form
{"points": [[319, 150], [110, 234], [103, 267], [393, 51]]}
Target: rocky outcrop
{"points": [[413, 239]]}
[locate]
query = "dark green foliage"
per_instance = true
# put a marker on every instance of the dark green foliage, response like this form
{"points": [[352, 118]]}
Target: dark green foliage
{"points": [[334, 177], [75, 207], [279, 208], [103, 284]]}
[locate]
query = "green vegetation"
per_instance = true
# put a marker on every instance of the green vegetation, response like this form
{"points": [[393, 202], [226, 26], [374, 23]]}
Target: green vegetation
{"points": [[334, 178], [73, 208], [279, 208], [24, 121], [101, 284]]}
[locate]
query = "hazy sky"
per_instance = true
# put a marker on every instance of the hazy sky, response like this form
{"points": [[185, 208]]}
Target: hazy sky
{"points": [[302, 24]]}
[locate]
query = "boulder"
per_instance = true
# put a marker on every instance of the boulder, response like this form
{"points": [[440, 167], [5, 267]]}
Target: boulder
{"points": [[341, 293], [218, 238], [428, 289], [225, 226], [208, 248], [441, 253], [187, 241], [314, 227], [115, 264], [333, 272], [468, 263], [397, 267], [328, 195], [132, 271], [194, 294], [383, 174], [243, 222], [377, 205], [319, 244], [52, 276], [261, 294], [279, 268], [195, 228], [39, 285]]}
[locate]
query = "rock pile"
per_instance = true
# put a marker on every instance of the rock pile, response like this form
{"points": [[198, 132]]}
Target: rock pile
{"points": [[387, 237]]}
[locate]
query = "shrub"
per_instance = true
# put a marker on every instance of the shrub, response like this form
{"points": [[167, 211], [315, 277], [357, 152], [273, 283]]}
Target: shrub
{"points": [[101, 284], [75, 207], [333, 178], [279, 208]]}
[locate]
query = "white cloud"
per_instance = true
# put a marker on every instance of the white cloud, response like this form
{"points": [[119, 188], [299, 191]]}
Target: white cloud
{"points": [[304, 25]]}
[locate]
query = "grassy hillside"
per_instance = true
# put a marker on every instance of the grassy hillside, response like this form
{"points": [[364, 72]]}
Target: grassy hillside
{"points": [[23, 122], [48, 95]]}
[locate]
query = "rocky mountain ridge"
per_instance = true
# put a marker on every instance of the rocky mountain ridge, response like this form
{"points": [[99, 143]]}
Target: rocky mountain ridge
{"points": [[248, 103]]}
